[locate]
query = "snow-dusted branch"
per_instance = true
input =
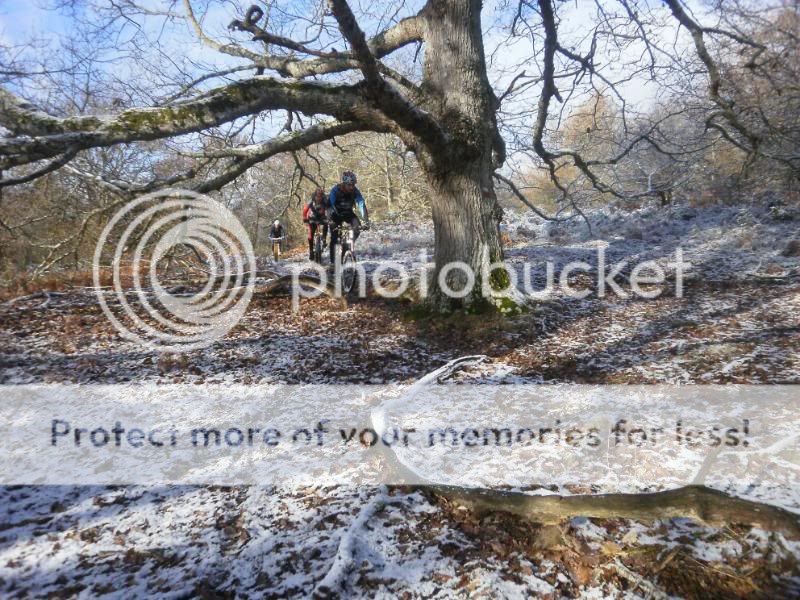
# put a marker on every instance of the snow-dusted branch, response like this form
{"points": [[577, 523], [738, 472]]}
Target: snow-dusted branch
{"points": [[220, 105]]}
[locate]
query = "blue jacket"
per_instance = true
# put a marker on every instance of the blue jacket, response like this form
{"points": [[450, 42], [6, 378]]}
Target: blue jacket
{"points": [[339, 201]]}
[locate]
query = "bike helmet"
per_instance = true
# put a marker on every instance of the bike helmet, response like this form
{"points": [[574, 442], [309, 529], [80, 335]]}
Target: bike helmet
{"points": [[276, 222], [349, 177]]}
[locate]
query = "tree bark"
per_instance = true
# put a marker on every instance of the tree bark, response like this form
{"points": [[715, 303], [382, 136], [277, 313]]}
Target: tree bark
{"points": [[465, 222], [465, 231]]}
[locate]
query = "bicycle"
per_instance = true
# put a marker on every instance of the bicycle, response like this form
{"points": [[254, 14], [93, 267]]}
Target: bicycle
{"points": [[318, 237], [349, 273], [276, 247]]}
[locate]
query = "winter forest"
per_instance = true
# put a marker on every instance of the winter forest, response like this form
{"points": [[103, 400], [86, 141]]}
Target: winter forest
{"points": [[402, 298]]}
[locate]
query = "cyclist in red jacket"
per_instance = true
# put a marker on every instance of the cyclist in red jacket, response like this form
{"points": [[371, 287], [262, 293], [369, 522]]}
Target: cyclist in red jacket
{"points": [[314, 216]]}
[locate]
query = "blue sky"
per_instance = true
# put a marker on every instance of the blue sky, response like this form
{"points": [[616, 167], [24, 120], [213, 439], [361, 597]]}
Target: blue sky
{"points": [[20, 19]]}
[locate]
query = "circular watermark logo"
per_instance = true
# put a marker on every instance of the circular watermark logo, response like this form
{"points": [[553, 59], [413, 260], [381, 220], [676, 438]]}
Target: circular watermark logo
{"points": [[151, 234]]}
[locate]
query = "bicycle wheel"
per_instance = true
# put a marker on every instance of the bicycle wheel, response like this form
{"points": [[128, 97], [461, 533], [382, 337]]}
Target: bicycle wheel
{"points": [[349, 272], [318, 248]]}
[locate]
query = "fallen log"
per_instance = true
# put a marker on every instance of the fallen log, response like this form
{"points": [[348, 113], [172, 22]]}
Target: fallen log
{"points": [[699, 503], [47, 295], [311, 282], [23, 298]]}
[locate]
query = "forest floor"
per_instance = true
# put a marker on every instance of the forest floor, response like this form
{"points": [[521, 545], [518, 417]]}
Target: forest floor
{"points": [[738, 321]]}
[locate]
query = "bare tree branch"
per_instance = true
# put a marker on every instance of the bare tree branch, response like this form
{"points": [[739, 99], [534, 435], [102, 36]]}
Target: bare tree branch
{"points": [[715, 79], [218, 106], [391, 103], [48, 168], [288, 143], [521, 197], [405, 32]]}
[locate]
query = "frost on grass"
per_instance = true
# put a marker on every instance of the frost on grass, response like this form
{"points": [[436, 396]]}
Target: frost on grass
{"points": [[738, 322]]}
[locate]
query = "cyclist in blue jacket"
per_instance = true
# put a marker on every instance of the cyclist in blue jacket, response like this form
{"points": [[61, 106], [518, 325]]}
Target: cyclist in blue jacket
{"points": [[342, 201]]}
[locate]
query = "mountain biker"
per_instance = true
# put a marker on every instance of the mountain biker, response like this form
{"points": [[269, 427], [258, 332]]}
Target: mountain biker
{"points": [[276, 235], [314, 215], [276, 231], [342, 201]]}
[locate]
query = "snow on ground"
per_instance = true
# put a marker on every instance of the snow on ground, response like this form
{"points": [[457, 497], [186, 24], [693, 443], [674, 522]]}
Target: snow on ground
{"points": [[739, 322], [182, 542]]}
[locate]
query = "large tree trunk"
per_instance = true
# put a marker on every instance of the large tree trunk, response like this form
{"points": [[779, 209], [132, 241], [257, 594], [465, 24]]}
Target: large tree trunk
{"points": [[466, 230], [466, 223]]}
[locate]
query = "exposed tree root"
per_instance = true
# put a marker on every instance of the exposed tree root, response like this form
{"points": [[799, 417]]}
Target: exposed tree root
{"points": [[43, 294], [697, 502], [334, 582], [700, 503], [286, 281], [637, 581]]}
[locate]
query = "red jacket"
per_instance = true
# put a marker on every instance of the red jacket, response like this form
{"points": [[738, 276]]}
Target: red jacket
{"points": [[311, 212]]}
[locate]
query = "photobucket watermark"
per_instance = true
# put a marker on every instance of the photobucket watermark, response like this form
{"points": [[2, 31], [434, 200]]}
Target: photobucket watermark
{"points": [[150, 232], [495, 280], [144, 241]]}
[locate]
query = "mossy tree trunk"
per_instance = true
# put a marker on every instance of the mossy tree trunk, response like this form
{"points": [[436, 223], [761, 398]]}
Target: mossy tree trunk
{"points": [[464, 206]]}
